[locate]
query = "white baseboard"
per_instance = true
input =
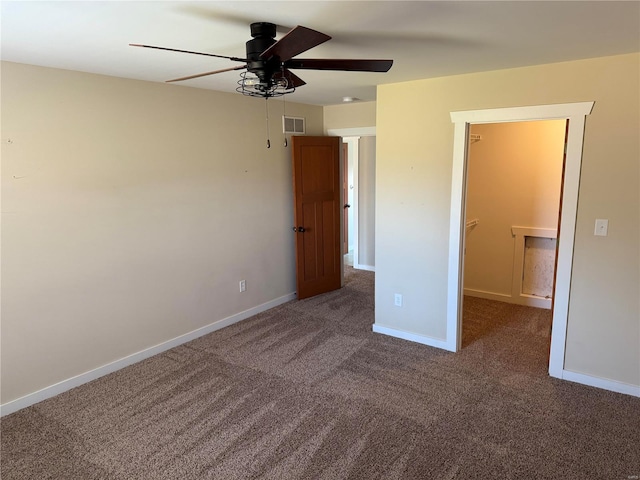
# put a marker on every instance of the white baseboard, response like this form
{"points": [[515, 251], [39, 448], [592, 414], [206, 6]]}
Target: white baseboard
{"points": [[523, 299], [414, 337], [500, 297], [68, 384], [533, 301], [606, 384], [360, 266]]}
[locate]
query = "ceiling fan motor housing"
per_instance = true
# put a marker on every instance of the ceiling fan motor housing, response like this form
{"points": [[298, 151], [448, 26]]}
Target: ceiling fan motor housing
{"points": [[263, 34]]}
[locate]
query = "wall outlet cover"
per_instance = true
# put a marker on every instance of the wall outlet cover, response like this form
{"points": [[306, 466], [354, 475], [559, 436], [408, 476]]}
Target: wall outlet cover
{"points": [[397, 300], [602, 227]]}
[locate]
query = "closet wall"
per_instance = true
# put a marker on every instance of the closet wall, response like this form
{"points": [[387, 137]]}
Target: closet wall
{"points": [[514, 180]]}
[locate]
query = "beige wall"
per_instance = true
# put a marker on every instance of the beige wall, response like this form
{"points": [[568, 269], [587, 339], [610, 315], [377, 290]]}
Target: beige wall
{"points": [[130, 211], [413, 190], [367, 201], [513, 179], [350, 115]]}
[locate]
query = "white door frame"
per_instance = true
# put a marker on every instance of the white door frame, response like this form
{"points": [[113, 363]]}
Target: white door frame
{"points": [[575, 113], [353, 145], [355, 132]]}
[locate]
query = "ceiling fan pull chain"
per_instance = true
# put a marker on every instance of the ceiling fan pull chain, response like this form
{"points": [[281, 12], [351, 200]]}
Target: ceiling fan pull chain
{"points": [[284, 114], [266, 106]]}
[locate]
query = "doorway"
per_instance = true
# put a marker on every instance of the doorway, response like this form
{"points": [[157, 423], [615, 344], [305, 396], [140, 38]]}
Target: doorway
{"points": [[360, 142], [514, 182], [575, 113], [350, 162]]}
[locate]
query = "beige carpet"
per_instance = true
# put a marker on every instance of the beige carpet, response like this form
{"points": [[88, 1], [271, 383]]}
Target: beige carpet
{"points": [[307, 391]]}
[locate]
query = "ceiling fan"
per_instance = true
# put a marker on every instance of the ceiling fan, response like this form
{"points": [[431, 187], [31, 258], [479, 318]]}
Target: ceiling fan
{"points": [[269, 62]]}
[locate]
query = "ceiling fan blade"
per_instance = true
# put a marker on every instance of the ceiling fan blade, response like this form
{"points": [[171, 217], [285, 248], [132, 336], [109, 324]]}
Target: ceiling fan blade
{"points": [[298, 40], [340, 64], [235, 59], [241, 67], [292, 79]]}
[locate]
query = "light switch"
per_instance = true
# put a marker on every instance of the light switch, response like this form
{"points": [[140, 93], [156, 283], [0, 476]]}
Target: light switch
{"points": [[602, 226]]}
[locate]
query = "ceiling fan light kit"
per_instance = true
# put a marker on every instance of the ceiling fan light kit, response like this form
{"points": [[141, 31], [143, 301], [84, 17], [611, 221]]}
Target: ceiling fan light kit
{"points": [[253, 86], [268, 61]]}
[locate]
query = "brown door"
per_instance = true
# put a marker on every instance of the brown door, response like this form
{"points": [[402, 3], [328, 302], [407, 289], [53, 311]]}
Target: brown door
{"points": [[317, 214]]}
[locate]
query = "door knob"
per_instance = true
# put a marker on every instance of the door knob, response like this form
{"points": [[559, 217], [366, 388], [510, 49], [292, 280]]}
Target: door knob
{"points": [[300, 229], [346, 205]]}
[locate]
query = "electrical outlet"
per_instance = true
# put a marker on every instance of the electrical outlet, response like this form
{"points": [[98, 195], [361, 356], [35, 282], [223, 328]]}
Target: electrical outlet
{"points": [[243, 286], [397, 299], [602, 227]]}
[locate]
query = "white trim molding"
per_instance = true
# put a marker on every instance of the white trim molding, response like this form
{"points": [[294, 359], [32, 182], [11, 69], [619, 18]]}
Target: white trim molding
{"points": [[605, 384], [518, 265], [368, 268], [68, 384], [576, 114], [352, 132], [521, 299], [524, 114], [534, 232], [354, 144], [413, 337]]}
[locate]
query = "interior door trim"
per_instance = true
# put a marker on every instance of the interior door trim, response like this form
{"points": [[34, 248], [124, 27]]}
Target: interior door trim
{"points": [[576, 114]]}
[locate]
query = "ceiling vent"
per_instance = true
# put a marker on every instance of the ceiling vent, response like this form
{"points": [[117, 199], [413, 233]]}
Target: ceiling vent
{"points": [[293, 125]]}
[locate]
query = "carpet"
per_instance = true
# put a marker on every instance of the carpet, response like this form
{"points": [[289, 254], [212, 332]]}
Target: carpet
{"points": [[307, 391]]}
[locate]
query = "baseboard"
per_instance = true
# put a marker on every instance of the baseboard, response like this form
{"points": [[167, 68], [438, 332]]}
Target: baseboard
{"points": [[500, 297], [68, 384], [533, 301], [523, 299], [606, 384], [360, 266], [414, 337]]}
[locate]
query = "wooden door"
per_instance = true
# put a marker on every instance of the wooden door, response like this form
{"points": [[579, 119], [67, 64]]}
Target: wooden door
{"points": [[317, 214]]}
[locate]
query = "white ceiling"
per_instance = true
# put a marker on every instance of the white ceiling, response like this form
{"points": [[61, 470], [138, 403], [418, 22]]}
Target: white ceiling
{"points": [[424, 38]]}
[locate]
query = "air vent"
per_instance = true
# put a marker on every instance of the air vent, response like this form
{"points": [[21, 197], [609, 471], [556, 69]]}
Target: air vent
{"points": [[293, 125]]}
